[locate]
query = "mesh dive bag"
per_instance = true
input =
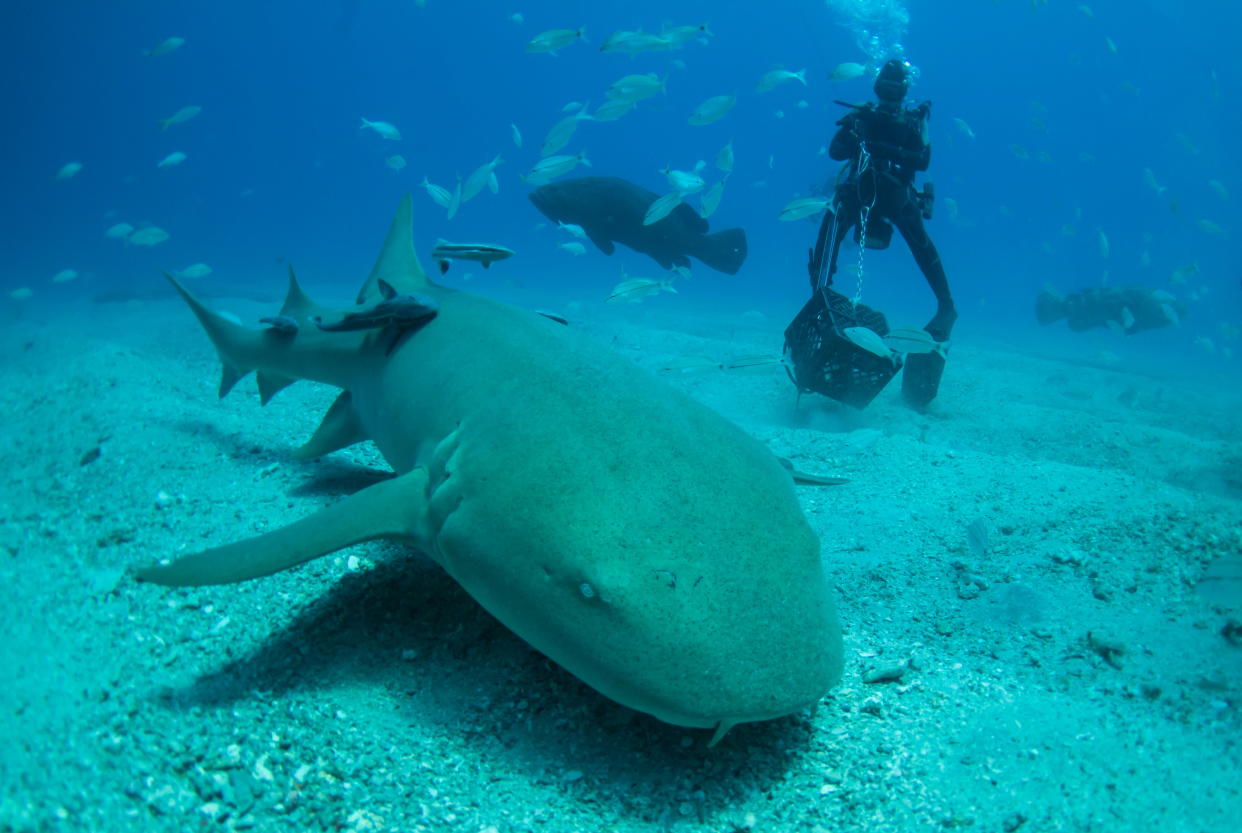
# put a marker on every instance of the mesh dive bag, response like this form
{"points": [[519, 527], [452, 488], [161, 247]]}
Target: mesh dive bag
{"points": [[821, 359]]}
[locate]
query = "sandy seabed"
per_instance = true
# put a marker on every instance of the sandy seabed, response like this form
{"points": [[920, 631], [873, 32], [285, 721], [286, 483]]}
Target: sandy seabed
{"points": [[1068, 677]]}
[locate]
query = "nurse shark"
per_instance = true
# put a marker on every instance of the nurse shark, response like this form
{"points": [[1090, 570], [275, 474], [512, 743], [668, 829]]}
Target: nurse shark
{"points": [[628, 532]]}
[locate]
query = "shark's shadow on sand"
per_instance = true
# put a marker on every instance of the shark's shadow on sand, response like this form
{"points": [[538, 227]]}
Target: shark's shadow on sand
{"points": [[467, 673]]}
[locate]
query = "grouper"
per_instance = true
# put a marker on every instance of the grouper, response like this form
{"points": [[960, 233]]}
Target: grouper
{"points": [[628, 532], [611, 210]]}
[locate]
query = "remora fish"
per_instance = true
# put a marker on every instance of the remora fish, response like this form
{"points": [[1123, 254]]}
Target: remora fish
{"points": [[611, 210], [710, 610], [484, 253]]}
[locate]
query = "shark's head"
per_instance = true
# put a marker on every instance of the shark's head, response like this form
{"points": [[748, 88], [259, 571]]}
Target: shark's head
{"points": [[669, 567], [708, 640]]}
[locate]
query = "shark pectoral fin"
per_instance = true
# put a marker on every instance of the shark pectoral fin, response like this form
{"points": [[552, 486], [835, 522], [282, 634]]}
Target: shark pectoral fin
{"points": [[391, 509], [271, 384], [339, 429]]}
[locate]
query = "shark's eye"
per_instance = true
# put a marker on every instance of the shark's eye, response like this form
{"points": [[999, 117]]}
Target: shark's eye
{"points": [[588, 592]]}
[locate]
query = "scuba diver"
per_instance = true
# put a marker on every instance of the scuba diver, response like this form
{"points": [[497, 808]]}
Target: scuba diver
{"points": [[884, 145], [1126, 309]]}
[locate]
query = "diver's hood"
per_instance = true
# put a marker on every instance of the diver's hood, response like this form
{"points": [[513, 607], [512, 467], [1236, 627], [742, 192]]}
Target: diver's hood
{"points": [[892, 82]]}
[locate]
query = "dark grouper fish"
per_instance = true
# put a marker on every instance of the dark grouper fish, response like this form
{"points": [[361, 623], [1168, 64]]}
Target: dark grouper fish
{"points": [[611, 211]]}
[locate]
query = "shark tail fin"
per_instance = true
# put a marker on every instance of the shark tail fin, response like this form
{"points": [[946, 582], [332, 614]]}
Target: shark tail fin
{"points": [[724, 251], [231, 340]]}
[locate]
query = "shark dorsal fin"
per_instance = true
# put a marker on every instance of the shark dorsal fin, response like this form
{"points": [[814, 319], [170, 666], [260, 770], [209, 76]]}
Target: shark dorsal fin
{"points": [[297, 303], [397, 264]]}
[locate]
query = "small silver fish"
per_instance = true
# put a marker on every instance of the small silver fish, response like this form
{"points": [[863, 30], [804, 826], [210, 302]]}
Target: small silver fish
{"points": [[710, 200], [869, 340], [776, 77], [195, 270], [637, 87], [661, 207], [181, 116], [678, 36], [454, 201], [383, 128], [1127, 318], [613, 109], [562, 132], [635, 42], [479, 179], [149, 236], [164, 47], [635, 289], [1149, 179], [847, 71], [438, 194], [804, 207], [687, 182], [913, 340], [554, 39], [551, 167], [1182, 273], [713, 109]]}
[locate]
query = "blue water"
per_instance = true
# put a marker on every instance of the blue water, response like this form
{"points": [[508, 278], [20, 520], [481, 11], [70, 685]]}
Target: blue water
{"points": [[278, 169]]}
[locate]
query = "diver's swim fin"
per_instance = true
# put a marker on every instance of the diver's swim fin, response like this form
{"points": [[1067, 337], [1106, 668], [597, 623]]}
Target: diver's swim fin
{"points": [[920, 381]]}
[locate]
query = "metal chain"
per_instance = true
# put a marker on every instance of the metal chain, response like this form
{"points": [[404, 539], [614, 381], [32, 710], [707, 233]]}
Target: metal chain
{"points": [[864, 215]]}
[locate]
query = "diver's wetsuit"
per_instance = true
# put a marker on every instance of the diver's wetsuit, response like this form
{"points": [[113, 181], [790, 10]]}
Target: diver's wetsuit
{"points": [[885, 147]]}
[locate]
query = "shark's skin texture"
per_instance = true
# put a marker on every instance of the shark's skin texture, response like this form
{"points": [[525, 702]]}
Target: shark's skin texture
{"points": [[637, 538]]}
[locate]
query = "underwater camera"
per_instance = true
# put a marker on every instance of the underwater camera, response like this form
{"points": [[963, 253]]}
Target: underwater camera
{"points": [[822, 358]]}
